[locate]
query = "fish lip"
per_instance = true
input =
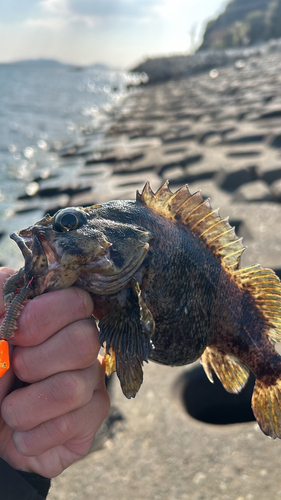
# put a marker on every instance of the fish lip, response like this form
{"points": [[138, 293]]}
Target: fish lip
{"points": [[31, 252], [20, 241]]}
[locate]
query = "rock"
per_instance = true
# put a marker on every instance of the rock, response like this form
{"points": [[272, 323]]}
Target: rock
{"points": [[269, 174], [276, 142], [85, 199], [276, 190], [114, 158], [243, 23], [51, 190], [274, 113], [244, 153], [183, 162], [53, 205], [27, 209], [253, 191], [245, 139], [231, 180], [241, 229], [75, 189]]}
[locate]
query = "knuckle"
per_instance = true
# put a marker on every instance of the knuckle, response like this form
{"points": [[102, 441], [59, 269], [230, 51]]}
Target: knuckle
{"points": [[83, 301], [19, 442], [28, 319], [88, 346], [71, 388], [61, 427], [20, 366], [11, 413]]}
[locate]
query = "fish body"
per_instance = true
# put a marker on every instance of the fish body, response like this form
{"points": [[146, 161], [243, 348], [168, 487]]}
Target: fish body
{"points": [[171, 284], [165, 279]]}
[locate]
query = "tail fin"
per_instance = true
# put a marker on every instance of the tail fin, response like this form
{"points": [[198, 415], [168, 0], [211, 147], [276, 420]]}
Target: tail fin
{"points": [[266, 404]]}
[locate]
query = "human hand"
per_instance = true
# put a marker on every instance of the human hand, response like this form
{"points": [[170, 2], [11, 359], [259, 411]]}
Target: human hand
{"points": [[49, 424]]}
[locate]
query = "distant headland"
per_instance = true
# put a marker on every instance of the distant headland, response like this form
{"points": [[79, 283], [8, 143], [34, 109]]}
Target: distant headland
{"points": [[55, 62]]}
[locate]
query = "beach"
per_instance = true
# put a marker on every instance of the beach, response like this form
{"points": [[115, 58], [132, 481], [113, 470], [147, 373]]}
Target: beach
{"points": [[218, 131]]}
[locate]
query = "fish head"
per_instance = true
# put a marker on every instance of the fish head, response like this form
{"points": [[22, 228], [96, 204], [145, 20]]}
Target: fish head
{"points": [[82, 246]]}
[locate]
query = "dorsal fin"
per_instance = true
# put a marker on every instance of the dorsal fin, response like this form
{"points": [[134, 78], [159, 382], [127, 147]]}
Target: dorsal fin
{"points": [[194, 212]]}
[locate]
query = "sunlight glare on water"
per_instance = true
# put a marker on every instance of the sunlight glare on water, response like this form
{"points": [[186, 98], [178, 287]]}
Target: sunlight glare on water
{"points": [[47, 110]]}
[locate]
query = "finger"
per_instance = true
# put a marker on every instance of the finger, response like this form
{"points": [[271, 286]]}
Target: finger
{"points": [[5, 273], [76, 429], [74, 347], [32, 405], [48, 313]]}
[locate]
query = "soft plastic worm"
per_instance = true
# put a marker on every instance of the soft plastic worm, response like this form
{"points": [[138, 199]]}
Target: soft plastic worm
{"points": [[9, 324]]}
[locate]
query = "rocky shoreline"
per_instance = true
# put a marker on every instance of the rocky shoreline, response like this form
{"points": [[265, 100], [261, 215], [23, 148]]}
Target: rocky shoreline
{"points": [[218, 131], [162, 69]]}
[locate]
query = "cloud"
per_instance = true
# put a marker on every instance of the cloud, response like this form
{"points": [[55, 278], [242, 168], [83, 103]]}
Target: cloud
{"points": [[57, 14], [59, 7], [54, 23], [92, 12], [114, 8]]}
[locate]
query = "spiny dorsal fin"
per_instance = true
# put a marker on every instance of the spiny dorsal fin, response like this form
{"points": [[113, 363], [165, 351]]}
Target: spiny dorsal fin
{"points": [[217, 234], [232, 373], [197, 214], [265, 287]]}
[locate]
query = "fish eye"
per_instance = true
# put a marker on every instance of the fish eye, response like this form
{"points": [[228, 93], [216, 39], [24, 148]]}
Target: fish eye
{"points": [[69, 219]]}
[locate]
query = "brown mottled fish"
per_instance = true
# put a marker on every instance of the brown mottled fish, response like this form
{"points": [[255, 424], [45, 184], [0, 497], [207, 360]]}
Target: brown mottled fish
{"points": [[164, 275]]}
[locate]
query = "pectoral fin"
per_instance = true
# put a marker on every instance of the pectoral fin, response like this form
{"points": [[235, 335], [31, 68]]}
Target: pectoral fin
{"points": [[127, 334]]}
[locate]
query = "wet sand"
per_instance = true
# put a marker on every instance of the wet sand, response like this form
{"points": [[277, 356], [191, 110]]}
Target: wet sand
{"points": [[219, 132]]}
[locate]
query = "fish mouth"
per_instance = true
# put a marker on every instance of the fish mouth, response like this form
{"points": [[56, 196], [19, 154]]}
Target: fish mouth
{"points": [[36, 262], [52, 265]]}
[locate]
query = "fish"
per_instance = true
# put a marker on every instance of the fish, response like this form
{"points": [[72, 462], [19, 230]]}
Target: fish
{"points": [[165, 277]]}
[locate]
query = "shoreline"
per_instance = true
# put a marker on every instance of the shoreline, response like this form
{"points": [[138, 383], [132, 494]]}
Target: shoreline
{"points": [[218, 131], [164, 68]]}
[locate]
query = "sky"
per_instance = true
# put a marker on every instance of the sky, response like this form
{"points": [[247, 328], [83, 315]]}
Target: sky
{"points": [[119, 33]]}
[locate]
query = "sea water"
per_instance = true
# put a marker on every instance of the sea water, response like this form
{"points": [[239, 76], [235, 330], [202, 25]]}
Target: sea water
{"points": [[46, 109]]}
